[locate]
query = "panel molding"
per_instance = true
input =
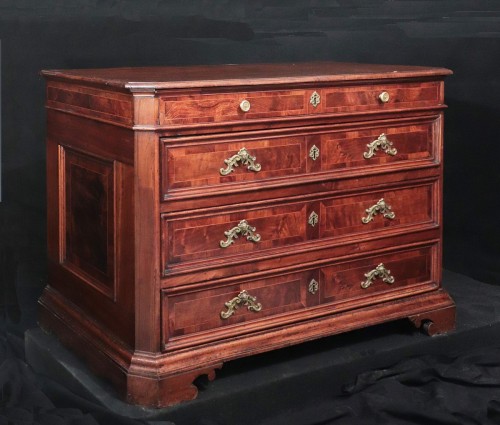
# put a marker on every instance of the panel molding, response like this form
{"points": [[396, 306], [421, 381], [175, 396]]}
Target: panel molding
{"points": [[87, 219]]}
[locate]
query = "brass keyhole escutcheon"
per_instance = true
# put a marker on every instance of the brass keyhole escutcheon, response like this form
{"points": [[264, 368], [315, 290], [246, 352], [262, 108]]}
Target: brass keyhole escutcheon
{"points": [[314, 152], [313, 286], [313, 219], [315, 99]]}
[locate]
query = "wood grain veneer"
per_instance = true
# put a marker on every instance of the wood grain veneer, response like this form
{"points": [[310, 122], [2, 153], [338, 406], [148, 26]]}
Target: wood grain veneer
{"points": [[138, 207]]}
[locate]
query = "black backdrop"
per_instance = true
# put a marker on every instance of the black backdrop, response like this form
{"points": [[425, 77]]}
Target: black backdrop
{"points": [[463, 35]]}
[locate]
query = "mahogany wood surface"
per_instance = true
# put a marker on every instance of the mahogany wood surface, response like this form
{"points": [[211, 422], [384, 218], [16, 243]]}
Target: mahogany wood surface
{"points": [[183, 77], [192, 162], [146, 191], [211, 108], [197, 311], [285, 225]]}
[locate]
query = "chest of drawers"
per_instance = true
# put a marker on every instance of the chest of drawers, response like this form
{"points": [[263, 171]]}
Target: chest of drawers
{"points": [[201, 214]]}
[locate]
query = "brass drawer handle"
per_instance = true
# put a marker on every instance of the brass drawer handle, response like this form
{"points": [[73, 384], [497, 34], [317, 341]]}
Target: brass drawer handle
{"points": [[381, 207], [382, 142], [243, 298], [378, 272], [245, 105], [242, 228], [384, 97], [242, 156]]}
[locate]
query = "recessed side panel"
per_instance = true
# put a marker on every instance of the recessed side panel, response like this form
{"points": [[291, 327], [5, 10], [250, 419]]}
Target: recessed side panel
{"points": [[88, 245]]}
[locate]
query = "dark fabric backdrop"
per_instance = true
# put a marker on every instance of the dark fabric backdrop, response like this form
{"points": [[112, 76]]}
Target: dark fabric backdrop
{"points": [[463, 35]]}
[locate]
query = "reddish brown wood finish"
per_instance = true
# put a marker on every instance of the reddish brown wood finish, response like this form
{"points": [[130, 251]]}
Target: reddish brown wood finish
{"points": [[197, 238], [190, 163], [283, 297], [213, 108], [365, 98], [106, 105], [137, 208]]}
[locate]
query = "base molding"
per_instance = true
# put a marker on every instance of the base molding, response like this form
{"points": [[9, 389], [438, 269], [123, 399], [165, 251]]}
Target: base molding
{"points": [[165, 379]]}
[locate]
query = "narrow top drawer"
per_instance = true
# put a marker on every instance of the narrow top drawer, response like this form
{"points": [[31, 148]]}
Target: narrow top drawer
{"points": [[213, 95], [217, 108], [201, 108]]}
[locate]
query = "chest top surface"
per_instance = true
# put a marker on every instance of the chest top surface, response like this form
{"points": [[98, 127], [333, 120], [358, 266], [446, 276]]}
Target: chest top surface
{"points": [[206, 76]]}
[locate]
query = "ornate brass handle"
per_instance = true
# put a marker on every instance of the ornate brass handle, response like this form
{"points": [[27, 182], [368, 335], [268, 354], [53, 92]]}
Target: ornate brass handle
{"points": [[381, 207], [378, 272], [242, 228], [245, 105], [384, 97], [242, 156], [243, 298], [382, 142]]}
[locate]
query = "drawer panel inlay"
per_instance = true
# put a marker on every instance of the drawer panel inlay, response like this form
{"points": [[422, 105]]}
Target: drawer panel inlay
{"points": [[199, 311], [348, 149], [255, 231], [224, 107], [370, 97], [227, 107], [200, 238], [405, 269], [192, 312], [201, 165], [198, 163]]}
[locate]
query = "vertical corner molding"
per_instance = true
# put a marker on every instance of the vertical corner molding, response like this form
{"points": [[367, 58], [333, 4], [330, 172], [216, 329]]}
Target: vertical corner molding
{"points": [[146, 109]]}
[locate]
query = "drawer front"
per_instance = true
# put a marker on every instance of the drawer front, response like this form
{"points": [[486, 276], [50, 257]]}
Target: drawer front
{"points": [[236, 161], [377, 275], [203, 310], [259, 231], [386, 209], [228, 107], [223, 235], [213, 108], [380, 97], [375, 147], [282, 299], [195, 163]]}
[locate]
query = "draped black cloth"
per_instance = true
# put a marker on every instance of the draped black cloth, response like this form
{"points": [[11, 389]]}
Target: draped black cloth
{"points": [[386, 374], [431, 389]]}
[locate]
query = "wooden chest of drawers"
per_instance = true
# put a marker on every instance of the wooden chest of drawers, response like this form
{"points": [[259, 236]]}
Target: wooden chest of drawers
{"points": [[200, 214]]}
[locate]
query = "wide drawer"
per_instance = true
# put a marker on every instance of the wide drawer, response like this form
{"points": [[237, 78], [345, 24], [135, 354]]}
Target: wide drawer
{"points": [[198, 163], [243, 106], [295, 296], [235, 235]]}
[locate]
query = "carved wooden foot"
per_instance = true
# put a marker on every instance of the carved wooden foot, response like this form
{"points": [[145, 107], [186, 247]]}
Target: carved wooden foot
{"points": [[435, 322], [163, 392]]}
